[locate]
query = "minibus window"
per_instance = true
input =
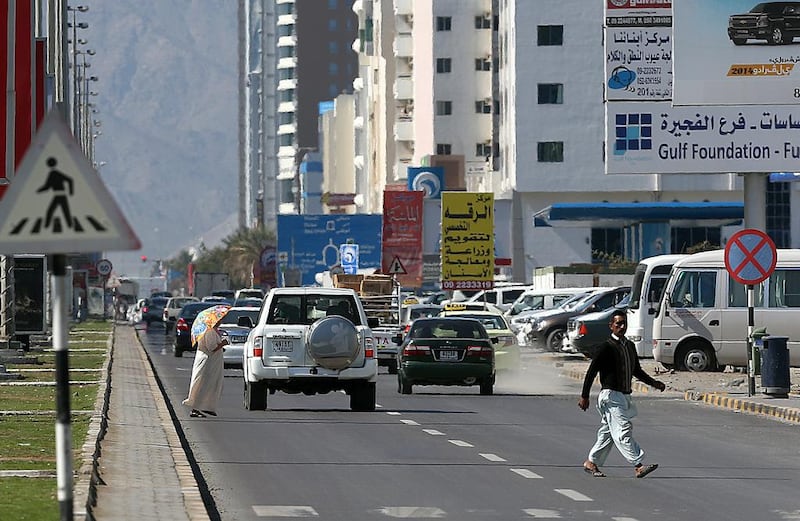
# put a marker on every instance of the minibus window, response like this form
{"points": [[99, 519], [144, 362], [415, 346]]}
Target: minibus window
{"points": [[784, 289], [737, 294], [694, 289]]}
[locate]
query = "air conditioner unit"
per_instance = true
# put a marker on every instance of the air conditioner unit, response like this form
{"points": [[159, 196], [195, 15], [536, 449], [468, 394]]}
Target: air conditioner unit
{"points": [[487, 15]]}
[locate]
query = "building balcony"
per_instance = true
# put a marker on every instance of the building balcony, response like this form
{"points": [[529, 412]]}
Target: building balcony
{"points": [[403, 7], [404, 88], [287, 19], [287, 106], [287, 63], [404, 129], [287, 84], [289, 128], [403, 46], [287, 41], [358, 6]]}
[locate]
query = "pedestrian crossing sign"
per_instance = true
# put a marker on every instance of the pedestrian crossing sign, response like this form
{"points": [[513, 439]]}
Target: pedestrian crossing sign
{"points": [[396, 267], [57, 203]]}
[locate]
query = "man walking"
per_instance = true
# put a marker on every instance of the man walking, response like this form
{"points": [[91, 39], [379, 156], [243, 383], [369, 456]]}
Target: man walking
{"points": [[617, 363]]}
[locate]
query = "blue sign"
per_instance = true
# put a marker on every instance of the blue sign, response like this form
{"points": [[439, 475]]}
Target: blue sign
{"points": [[310, 243], [348, 253], [429, 179]]}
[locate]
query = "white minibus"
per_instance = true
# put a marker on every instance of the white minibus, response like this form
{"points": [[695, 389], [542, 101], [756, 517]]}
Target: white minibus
{"points": [[648, 284], [701, 323]]}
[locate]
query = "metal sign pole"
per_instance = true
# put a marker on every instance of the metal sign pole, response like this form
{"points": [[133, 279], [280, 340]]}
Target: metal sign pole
{"points": [[63, 425], [751, 366]]}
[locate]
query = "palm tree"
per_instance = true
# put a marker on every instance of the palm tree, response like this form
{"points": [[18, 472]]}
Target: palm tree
{"points": [[243, 250]]}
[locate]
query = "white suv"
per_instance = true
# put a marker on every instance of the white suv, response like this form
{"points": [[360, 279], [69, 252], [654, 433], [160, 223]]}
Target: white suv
{"points": [[310, 340]]}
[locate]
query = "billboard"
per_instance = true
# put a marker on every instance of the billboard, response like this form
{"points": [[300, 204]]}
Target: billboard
{"points": [[30, 294], [648, 138], [467, 240], [402, 236], [310, 243], [638, 45], [726, 53]]}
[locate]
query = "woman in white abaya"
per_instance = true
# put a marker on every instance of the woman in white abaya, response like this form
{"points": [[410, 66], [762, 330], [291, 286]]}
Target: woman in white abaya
{"points": [[207, 374]]}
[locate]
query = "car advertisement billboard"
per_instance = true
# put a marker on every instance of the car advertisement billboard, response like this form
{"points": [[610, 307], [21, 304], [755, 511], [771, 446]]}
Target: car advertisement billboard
{"points": [[649, 138], [735, 52], [310, 243]]}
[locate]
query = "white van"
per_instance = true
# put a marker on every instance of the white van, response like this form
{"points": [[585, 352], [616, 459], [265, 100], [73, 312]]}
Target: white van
{"points": [[701, 324], [649, 278]]}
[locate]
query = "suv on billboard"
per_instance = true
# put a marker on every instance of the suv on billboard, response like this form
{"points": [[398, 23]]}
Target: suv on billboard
{"points": [[776, 22]]}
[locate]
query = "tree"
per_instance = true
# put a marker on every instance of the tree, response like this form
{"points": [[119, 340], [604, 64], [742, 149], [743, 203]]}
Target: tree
{"points": [[244, 249]]}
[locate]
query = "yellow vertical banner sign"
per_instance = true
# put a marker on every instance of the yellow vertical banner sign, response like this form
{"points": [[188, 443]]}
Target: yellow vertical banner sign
{"points": [[467, 240]]}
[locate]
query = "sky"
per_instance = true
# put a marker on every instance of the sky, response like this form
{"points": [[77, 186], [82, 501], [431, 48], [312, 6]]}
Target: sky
{"points": [[167, 120]]}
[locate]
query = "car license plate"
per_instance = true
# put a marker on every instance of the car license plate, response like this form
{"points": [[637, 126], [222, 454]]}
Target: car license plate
{"points": [[238, 339], [283, 346], [448, 356]]}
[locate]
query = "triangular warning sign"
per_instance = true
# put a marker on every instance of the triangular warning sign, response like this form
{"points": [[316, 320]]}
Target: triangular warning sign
{"points": [[57, 203], [396, 267]]}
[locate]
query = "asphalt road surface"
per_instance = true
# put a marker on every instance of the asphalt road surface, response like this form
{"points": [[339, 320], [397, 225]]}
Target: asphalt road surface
{"points": [[448, 453]]}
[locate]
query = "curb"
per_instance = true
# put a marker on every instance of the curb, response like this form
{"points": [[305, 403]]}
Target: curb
{"points": [[714, 399]]}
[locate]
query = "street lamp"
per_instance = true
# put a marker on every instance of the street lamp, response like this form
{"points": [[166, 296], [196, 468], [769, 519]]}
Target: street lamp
{"points": [[75, 26]]}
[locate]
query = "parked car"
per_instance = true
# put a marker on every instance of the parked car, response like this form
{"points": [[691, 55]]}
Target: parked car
{"points": [[521, 320], [183, 326], [236, 334], [539, 299], [153, 310], [248, 302], [171, 310], [249, 293], [506, 349], [586, 332], [446, 351], [547, 328], [501, 296]]}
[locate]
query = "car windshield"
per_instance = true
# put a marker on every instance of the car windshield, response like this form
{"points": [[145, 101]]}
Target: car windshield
{"points": [[574, 302], [232, 317]]}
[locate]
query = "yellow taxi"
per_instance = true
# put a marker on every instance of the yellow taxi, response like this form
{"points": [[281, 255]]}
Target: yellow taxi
{"points": [[506, 350]]}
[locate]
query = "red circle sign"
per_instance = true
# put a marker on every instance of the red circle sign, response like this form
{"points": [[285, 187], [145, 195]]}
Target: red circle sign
{"points": [[750, 256]]}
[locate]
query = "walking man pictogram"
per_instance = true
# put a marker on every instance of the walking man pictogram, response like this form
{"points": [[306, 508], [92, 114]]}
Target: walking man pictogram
{"points": [[59, 183]]}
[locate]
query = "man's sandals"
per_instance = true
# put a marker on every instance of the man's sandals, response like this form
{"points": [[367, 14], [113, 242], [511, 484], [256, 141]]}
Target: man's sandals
{"points": [[593, 470], [643, 470]]}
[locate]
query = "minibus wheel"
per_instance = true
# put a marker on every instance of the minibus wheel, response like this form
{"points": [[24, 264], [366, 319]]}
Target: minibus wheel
{"points": [[697, 356]]}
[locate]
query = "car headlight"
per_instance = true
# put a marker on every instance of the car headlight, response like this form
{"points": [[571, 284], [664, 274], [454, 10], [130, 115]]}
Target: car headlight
{"points": [[539, 325], [635, 338]]}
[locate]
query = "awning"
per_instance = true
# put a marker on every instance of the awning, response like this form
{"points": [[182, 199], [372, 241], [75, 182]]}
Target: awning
{"points": [[624, 214]]}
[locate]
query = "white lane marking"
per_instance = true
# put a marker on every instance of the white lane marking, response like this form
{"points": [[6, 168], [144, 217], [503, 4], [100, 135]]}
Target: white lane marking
{"points": [[433, 432], [409, 422], [459, 443], [413, 512], [541, 513], [284, 511], [573, 494], [492, 457], [525, 473], [393, 413], [624, 519]]}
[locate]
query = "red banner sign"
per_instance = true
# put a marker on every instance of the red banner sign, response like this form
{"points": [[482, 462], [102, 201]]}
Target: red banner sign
{"points": [[401, 254]]}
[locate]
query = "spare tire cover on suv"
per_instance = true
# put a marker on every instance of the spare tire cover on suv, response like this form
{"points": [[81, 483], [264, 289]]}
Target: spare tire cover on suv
{"points": [[333, 342]]}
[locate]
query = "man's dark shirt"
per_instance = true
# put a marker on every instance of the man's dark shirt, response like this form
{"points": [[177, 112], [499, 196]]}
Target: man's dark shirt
{"points": [[610, 362]]}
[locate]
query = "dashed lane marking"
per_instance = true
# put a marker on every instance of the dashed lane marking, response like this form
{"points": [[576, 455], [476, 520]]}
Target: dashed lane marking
{"points": [[393, 413], [525, 473], [433, 432], [573, 494], [460, 443], [492, 457], [284, 511], [539, 513], [409, 422], [413, 512]]}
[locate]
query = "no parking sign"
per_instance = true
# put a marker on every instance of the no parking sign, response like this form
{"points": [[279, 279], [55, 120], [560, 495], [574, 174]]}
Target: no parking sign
{"points": [[750, 256]]}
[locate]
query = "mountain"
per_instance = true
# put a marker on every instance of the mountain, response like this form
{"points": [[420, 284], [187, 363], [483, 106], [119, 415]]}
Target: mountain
{"points": [[167, 97]]}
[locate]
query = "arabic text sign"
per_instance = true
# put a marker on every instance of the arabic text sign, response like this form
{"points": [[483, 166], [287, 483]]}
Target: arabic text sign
{"points": [[467, 240], [638, 54], [723, 54], [646, 138], [750, 256], [402, 236]]}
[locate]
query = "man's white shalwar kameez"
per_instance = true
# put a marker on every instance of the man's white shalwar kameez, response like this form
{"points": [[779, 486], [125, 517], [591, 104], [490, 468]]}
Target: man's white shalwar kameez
{"points": [[207, 374]]}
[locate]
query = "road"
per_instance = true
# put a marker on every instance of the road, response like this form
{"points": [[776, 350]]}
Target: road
{"points": [[448, 453]]}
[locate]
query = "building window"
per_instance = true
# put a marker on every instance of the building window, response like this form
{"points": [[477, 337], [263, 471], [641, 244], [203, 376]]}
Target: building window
{"points": [[444, 23], [551, 93], [606, 244], [286, 140], [550, 35], [444, 108], [483, 64], [286, 95], [285, 30], [779, 213], [444, 149], [550, 152], [482, 22], [444, 65], [483, 106], [333, 25], [286, 52], [285, 8], [333, 69], [483, 150], [682, 239], [333, 4], [286, 74], [333, 47]]}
